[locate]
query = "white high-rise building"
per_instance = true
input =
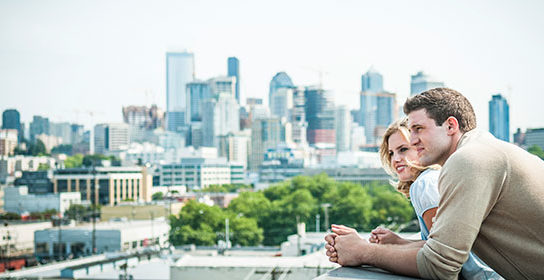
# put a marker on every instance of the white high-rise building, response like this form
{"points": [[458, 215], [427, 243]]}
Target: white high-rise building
{"points": [[111, 137], [234, 147], [219, 117], [281, 102], [343, 128]]}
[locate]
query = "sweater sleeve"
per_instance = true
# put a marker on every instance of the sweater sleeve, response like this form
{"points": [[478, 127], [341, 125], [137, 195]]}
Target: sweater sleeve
{"points": [[469, 186]]}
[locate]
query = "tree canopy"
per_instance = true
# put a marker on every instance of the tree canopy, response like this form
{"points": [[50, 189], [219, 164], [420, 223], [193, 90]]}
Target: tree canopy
{"points": [[269, 216]]}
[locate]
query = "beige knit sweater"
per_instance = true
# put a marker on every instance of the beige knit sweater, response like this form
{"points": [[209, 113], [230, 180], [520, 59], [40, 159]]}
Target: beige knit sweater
{"points": [[491, 200]]}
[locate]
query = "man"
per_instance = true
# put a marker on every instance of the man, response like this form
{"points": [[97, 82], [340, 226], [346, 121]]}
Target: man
{"points": [[491, 200]]}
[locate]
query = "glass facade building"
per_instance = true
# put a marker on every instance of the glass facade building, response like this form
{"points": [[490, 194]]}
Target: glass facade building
{"points": [[179, 71], [499, 117], [234, 71], [421, 82]]}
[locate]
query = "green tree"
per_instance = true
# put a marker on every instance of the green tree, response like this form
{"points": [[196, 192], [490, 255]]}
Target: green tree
{"points": [[76, 212], [250, 204], [351, 205], [10, 216], [157, 196], [38, 148], [43, 167], [197, 224], [62, 149], [94, 160], [390, 208], [244, 231], [537, 151], [74, 161]]}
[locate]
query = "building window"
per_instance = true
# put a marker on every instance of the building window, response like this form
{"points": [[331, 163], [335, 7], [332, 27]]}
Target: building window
{"points": [[42, 248]]}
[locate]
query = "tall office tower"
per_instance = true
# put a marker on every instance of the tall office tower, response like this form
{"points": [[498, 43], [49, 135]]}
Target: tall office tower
{"points": [[219, 117], [234, 71], [319, 112], [110, 137], [197, 92], [11, 119], [372, 81], [234, 147], [180, 70], [499, 117], [222, 84], [61, 130], [39, 125], [281, 102], [358, 138], [76, 133], [421, 82], [298, 117], [265, 134], [343, 128], [280, 80], [378, 110]]}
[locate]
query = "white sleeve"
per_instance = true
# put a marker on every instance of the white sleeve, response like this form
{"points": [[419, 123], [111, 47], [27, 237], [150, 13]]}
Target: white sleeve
{"points": [[424, 192]]}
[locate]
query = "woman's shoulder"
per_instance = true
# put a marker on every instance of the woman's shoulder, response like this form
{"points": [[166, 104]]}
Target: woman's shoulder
{"points": [[429, 175], [428, 179]]}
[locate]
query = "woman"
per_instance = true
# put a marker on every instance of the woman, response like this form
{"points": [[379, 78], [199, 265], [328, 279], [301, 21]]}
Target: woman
{"points": [[420, 185]]}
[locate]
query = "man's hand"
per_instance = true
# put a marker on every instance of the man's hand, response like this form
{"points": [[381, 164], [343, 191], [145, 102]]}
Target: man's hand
{"points": [[385, 236], [351, 249], [331, 252]]}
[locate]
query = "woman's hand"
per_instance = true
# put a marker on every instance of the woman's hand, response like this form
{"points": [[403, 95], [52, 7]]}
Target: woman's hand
{"points": [[385, 236]]}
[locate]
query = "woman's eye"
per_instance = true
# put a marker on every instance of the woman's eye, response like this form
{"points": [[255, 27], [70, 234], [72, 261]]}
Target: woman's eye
{"points": [[403, 149]]}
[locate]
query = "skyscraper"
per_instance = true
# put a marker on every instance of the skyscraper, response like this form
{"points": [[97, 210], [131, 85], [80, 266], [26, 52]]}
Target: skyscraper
{"points": [[234, 71], [265, 134], [378, 110], [179, 71], [281, 102], [222, 84], [372, 81], [499, 117], [298, 117], [421, 82], [320, 116], [11, 119], [343, 128], [197, 92], [39, 125], [219, 117], [280, 80]]}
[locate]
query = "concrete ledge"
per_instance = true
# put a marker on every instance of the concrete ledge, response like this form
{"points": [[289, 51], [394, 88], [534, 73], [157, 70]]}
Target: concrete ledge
{"points": [[363, 272]]}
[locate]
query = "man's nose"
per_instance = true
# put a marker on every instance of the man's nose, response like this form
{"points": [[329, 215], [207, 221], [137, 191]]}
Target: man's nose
{"points": [[413, 139]]}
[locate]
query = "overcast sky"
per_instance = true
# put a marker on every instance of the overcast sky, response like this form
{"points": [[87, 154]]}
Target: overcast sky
{"points": [[65, 58]]}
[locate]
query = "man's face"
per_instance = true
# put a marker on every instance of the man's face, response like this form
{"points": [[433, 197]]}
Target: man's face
{"points": [[432, 142]]}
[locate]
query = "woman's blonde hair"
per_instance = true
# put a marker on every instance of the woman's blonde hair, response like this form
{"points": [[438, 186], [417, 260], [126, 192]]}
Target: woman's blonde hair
{"points": [[401, 127]]}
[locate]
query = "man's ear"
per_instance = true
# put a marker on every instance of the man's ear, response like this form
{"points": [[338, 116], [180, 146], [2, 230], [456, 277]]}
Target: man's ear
{"points": [[452, 124]]}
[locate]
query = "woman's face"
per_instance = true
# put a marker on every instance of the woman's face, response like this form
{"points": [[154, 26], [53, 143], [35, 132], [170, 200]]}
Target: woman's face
{"points": [[400, 153]]}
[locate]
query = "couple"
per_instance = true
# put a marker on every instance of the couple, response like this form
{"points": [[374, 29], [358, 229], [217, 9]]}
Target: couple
{"points": [[490, 199]]}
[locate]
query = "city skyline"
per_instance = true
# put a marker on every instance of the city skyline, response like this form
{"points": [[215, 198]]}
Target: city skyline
{"points": [[63, 59]]}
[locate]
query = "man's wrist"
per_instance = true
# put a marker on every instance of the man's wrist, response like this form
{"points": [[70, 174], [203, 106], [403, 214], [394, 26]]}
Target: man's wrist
{"points": [[370, 256]]}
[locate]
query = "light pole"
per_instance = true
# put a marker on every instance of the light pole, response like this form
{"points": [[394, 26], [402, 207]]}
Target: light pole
{"points": [[326, 208], [317, 222]]}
